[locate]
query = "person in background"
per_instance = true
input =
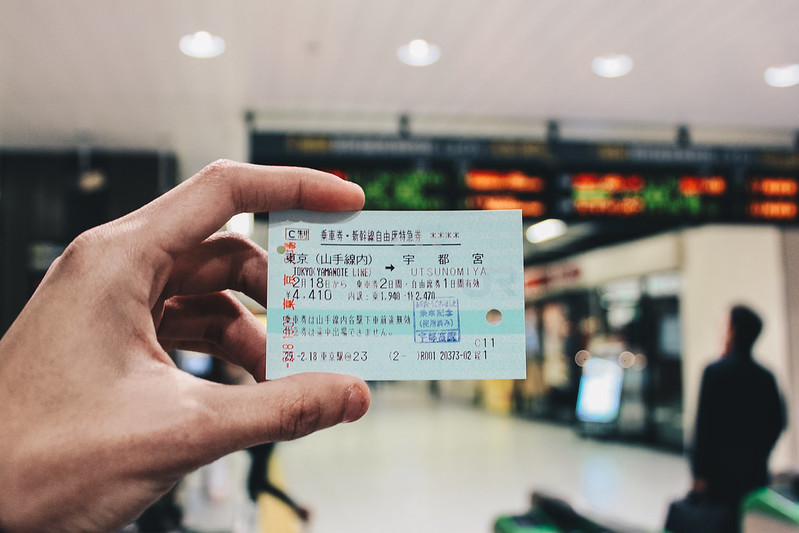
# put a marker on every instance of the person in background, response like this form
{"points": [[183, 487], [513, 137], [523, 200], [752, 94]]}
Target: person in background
{"points": [[98, 421], [258, 481], [739, 418]]}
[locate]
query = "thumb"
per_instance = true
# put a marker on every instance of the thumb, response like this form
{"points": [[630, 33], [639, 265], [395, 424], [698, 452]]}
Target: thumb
{"points": [[283, 409]]}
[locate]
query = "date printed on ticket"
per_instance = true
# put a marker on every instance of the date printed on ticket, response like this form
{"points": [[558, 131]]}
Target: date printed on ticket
{"points": [[396, 295]]}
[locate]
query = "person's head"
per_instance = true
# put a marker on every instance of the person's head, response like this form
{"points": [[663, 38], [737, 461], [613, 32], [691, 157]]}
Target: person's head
{"points": [[745, 327]]}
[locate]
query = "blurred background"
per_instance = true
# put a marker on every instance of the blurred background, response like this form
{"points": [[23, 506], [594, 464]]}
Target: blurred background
{"points": [[653, 149]]}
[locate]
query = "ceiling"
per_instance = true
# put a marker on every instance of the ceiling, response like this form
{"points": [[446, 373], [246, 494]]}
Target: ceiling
{"points": [[109, 72]]}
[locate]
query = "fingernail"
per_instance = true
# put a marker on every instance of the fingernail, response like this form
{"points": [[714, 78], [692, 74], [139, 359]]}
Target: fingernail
{"points": [[356, 405]]}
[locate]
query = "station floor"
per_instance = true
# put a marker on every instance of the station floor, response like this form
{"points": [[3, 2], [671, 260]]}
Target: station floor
{"points": [[416, 464]]}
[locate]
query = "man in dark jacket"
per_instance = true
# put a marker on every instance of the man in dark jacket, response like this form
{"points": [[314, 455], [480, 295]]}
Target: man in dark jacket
{"points": [[739, 419]]}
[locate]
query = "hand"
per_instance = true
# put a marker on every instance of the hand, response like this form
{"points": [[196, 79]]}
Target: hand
{"points": [[97, 422]]}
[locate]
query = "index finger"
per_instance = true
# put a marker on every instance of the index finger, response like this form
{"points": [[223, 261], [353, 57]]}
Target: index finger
{"points": [[186, 215]]}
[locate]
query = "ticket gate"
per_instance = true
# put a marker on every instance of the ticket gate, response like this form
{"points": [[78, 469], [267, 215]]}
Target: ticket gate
{"points": [[770, 510], [549, 514]]}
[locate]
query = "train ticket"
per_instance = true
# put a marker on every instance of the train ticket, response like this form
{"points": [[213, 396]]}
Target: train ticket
{"points": [[396, 295]]}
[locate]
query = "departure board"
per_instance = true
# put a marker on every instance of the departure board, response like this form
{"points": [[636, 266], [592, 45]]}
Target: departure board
{"points": [[570, 180], [391, 189], [772, 198], [507, 189], [597, 195]]}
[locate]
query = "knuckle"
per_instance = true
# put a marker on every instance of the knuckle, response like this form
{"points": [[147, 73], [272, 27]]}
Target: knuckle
{"points": [[84, 242], [214, 333], [214, 174], [245, 254], [231, 242], [220, 167], [82, 251], [226, 312], [301, 417], [221, 174]]}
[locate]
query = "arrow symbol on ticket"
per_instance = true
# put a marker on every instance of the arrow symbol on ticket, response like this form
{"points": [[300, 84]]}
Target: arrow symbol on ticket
{"points": [[390, 267]]}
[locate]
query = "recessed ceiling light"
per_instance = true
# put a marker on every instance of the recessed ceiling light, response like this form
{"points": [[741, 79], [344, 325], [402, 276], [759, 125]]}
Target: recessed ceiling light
{"points": [[612, 65], [784, 76], [202, 44], [546, 230], [418, 53]]}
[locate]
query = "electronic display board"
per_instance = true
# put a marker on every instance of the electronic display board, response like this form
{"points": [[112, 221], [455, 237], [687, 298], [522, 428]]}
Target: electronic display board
{"points": [[395, 189], [513, 180], [620, 195], [571, 180], [772, 198], [506, 189]]}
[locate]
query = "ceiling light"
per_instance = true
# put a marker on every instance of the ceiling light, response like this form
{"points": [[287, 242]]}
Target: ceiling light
{"points": [[612, 65], [784, 76], [545, 230], [202, 44], [418, 53]]}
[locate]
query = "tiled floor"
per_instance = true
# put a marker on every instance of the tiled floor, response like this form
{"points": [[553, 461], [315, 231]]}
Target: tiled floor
{"points": [[416, 465]]}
